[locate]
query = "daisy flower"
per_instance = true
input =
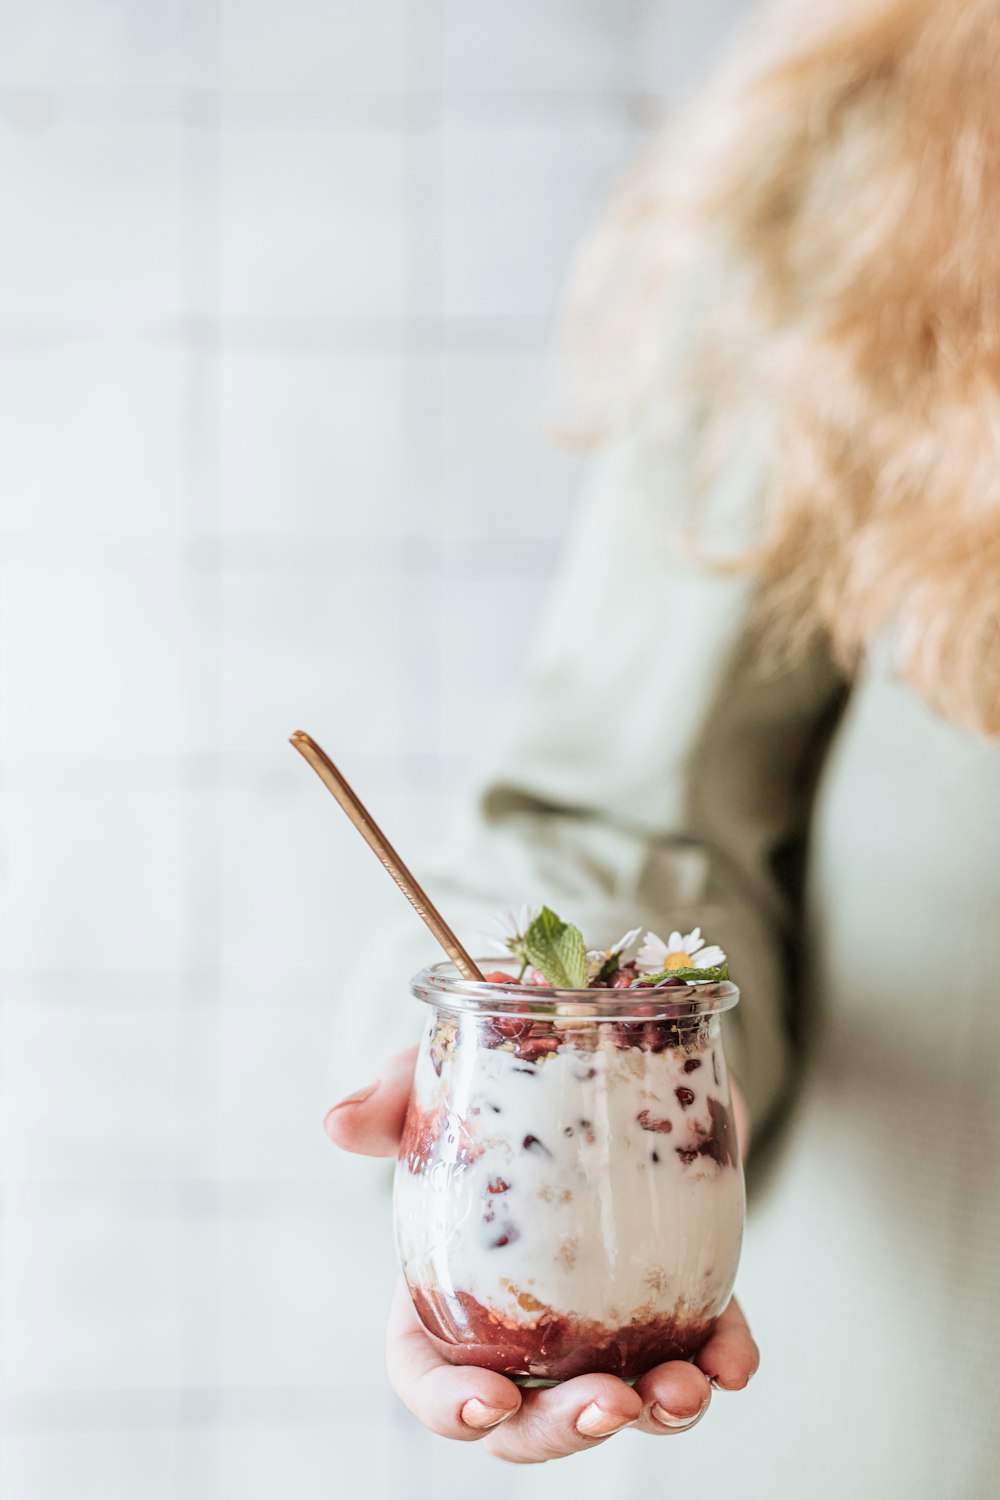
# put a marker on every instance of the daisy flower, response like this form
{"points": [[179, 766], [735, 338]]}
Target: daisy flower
{"points": [[598, 957], [512, 925], [681, 951]]}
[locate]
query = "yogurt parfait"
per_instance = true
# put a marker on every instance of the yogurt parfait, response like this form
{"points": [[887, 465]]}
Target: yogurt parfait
{"points": [[569, 1195]]}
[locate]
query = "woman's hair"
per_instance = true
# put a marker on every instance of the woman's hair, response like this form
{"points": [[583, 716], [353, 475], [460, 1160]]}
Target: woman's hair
{"points": [[846, 174]]}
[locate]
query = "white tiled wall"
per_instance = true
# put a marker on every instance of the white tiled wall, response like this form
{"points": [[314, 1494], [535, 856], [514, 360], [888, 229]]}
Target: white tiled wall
{"points": [[275, 283]]}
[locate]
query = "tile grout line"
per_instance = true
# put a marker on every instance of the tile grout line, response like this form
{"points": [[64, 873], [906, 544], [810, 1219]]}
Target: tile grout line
{"points": [[201, 1336], [206, 335]]}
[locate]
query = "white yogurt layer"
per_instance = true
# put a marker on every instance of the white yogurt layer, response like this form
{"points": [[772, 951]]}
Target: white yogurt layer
{"points": [[602, 1218]]}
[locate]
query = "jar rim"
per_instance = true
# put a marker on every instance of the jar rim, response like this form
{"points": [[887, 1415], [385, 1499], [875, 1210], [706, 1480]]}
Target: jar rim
{"points": [[442, 984]]}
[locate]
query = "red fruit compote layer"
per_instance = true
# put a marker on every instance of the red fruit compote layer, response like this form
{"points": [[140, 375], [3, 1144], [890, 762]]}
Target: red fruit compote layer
{"points": [[569, 1195]]}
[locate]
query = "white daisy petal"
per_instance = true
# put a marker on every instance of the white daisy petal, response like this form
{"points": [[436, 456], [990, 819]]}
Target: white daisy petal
{"points": [[596, 960], [652, 955], [512, 926], [692, 941], [598, 957], [528, 914], [709, 958], [674, 942], [506, 923], [626, 941]]}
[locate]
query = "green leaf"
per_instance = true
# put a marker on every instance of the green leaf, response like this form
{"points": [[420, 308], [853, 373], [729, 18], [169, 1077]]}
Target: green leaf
{"points": [[556, 949], [707, 976]]}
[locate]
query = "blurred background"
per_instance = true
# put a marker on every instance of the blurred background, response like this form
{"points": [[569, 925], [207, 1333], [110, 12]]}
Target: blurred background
{"points": [[276, 281]]}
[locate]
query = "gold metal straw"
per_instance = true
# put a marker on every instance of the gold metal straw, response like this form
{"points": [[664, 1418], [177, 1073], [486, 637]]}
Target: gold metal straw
{"points": [[377, 841]]}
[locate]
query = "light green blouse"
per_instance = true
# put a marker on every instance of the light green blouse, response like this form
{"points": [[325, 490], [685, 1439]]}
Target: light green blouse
{"points": [[842, 846], [647, 772]]}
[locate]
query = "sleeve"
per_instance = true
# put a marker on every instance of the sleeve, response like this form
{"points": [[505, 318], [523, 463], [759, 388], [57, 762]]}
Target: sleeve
{"points": [[650, 771]]}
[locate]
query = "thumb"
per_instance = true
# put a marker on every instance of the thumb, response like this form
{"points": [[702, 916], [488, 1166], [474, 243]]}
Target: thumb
{"points": [[370, 1121]]}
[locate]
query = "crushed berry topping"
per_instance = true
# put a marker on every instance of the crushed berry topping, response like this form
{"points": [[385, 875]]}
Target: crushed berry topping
{"points": [[685, 1096], [554, 1345], [720, 1142], [512, 1028], [692, 1064], [532, 1143], [498, 1185], [537, 1046], [656, 1037], [649, 1121]]}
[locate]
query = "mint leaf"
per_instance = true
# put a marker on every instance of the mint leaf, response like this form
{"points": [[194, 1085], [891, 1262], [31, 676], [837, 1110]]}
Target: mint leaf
{"points": [[714, 975], [556, 949]]}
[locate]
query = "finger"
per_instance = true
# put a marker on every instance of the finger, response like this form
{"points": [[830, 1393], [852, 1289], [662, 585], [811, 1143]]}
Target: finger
{"points": [[674, 1396], [371, 1120], [567, 1418], [457, 1401], [730, 1356]]}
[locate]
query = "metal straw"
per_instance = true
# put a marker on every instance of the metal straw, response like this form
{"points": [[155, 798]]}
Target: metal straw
{"points": [[386, 854]]}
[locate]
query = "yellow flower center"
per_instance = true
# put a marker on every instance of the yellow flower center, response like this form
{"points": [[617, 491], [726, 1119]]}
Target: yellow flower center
{"points": [[678, 960]]}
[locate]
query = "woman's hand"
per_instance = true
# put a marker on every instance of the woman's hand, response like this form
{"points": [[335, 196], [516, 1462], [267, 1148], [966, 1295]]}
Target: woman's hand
{"points": [[529, 1426]]}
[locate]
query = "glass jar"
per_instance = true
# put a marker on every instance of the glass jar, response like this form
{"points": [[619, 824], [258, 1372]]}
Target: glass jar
{"points": [[569, 1194]]}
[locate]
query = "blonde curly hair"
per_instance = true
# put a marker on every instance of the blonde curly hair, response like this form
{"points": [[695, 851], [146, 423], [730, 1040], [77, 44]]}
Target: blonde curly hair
{"points": [[848, 170]]}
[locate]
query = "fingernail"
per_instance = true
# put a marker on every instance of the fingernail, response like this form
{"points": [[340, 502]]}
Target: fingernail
{"points": [[671, 1419], [593, 1422], [476, 1413], [356, 1098]]}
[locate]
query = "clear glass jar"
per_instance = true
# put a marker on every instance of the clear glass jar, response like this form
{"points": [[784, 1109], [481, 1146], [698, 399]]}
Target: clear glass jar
{"points": [[569, 1194]]}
